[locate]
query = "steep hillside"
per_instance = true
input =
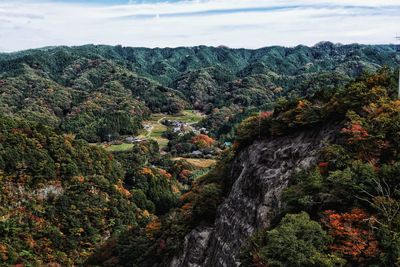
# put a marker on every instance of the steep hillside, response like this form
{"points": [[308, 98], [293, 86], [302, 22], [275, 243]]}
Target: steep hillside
{"points": [[315, 183], [61, 197], [260, 173]]}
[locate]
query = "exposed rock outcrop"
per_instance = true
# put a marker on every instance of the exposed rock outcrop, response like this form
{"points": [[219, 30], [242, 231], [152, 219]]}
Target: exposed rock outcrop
{"points": [[260, 173]]}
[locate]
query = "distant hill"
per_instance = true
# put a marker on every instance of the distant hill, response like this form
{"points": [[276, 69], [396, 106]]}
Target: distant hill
{"points": [[94, 90]]}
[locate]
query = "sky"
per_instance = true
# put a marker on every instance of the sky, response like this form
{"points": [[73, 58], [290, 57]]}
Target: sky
{"points": [[28, 24]]}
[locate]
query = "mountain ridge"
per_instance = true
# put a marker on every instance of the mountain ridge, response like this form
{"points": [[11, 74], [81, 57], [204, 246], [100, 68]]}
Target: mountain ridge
{"points": [[52, 103], [216, 80]]}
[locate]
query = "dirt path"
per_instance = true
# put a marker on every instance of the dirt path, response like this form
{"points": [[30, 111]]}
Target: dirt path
{"points": [[159, 121], [150, 130]]}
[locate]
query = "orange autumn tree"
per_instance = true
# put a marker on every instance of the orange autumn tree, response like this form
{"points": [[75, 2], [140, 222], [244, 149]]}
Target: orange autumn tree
{"points": [[165, 174], [352, 235], [121, 189], [153, 227], [203, 141], [355, 133], [184, 175], [146, 171]]}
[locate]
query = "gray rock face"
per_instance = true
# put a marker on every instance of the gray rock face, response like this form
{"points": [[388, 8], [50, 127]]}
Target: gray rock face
{"points": [[260, 173], [194, 248]]}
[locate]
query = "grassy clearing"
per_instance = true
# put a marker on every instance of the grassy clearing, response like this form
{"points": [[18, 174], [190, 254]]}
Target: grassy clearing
{"points": [[188, 116], [162, 142], [156, 133], [116, 148], [199, 163], [157, 129]]}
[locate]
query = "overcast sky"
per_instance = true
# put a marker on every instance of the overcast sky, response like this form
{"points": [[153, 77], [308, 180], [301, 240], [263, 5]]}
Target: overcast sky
{"points": [[234, 23]]}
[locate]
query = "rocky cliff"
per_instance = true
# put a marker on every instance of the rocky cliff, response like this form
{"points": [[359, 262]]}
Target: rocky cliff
{"points": [[260, 173]]}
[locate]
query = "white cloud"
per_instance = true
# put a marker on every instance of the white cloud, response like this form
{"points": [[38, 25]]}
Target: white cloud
{"points": [[235, 23]]}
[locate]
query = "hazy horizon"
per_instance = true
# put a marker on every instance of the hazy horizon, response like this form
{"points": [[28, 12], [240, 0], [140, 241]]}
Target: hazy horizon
{"points": [[173, 47], [28, 24]]}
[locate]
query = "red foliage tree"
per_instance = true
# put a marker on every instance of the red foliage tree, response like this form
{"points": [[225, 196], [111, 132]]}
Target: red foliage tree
{"points": [[203, 141], [265, 114], [184, 174], [323, 164], [323, 167], [165, 174], [355, 132], [352, 238]]}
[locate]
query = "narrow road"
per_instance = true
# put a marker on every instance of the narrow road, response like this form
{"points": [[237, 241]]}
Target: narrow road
{"points": [[159, 121], [150, 131]]}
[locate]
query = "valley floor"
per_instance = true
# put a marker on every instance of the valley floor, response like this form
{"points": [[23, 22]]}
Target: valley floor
{"points": [[154, 129]]}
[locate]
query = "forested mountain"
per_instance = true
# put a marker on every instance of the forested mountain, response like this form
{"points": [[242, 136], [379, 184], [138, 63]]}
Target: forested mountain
{"points": [[93, 90], [313, 183], [310, 179], [61, 197]]}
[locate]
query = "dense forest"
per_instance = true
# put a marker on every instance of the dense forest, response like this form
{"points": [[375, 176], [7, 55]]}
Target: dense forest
{"points": [[66, 201], [344, 211], [97, 91]]}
